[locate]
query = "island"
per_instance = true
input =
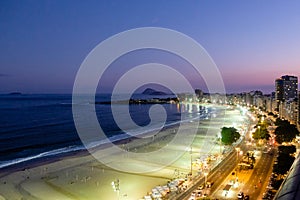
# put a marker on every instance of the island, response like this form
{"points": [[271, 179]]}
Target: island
{"points": [[147, 91]]}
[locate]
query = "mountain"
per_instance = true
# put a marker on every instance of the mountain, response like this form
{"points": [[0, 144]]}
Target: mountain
{"points": [[150, 91]]}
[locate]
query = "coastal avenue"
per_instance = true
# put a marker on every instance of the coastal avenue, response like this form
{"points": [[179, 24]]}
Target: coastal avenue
{"points": [[219, 173], [217, 176], [259, 177], [252, 182]]}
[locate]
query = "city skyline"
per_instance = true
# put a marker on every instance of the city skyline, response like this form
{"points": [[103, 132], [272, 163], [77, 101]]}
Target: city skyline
{"points": [[43, 43]]}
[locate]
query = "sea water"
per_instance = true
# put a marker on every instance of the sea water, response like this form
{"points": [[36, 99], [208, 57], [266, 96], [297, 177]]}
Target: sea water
{"points": [[34, 126]]}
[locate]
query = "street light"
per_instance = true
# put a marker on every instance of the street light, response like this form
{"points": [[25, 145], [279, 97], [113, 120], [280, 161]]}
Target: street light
{"points": [[237, 160], [259, 133], [205, 178], [220, 141], [191, 152], [116, 186]]}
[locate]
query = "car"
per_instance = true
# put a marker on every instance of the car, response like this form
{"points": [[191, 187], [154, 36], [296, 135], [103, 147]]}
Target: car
{"points": [[193, 194], [199, 193], [269, 187], [266, 197], [201, 187], [240, 195], [209, 184]]}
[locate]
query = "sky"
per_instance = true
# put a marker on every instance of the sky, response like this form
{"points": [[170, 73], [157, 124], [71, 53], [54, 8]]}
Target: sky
{"points": [[43, 43]]}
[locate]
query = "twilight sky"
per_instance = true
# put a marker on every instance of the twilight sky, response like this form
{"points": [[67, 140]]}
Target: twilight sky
{"points": [[43, 43]]}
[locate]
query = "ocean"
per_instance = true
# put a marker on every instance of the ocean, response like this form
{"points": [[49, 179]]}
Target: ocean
{"points": [[35, 126]]}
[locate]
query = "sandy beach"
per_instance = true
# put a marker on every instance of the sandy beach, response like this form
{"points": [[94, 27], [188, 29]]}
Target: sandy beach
{"points": [[83, 177]]}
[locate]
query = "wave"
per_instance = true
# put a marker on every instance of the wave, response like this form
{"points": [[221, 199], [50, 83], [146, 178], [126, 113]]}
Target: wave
{"points": [[41, 155]]}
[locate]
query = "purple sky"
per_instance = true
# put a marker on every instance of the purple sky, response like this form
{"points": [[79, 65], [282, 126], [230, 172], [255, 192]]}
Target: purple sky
{"points": [[43, 43]]}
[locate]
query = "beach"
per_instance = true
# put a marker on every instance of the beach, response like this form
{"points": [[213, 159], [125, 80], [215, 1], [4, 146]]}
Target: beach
{"points": [[84, 177]]}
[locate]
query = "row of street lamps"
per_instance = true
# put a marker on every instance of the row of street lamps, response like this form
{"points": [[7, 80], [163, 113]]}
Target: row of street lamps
{"points": [[239, 152], [190, 149]]}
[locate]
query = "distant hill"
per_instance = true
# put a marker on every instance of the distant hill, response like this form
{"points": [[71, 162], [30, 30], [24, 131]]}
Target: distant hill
{"points": [[150, 91]]}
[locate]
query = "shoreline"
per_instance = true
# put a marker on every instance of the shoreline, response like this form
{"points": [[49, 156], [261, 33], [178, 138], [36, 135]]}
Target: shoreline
{"points": [[36, 162], [82, 177], [82, 152], [107, 142]]}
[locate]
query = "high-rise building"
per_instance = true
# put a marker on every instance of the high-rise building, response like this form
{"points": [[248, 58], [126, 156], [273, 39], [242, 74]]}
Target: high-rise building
{"points": [[290, 87], [298, 112], [286, 96], [279, 90], [286, 88]]}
